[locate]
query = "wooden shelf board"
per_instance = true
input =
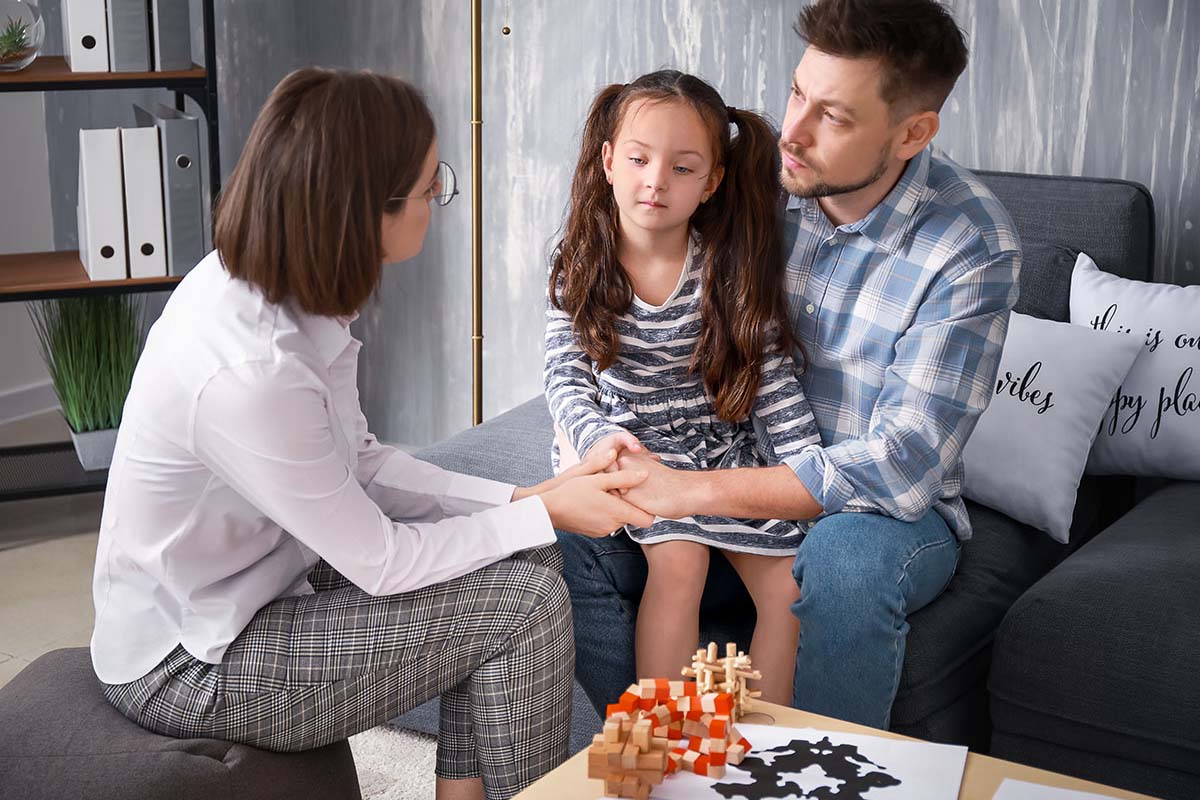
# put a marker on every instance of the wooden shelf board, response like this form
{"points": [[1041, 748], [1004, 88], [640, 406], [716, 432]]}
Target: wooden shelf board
{"points": [[38, 273], [53, 69]]}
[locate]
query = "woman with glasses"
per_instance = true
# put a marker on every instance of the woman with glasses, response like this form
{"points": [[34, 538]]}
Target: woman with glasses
{"points": [[268, 572]]}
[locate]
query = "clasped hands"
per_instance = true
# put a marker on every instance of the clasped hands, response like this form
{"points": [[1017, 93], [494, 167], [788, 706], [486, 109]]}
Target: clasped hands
{"points": [[618, 482]]}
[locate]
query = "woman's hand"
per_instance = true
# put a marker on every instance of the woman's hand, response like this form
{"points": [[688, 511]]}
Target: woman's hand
{"points": [[587, 497], [592, 505]]}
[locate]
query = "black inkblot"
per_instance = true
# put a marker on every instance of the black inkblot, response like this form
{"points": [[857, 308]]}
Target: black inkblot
{"points": [[838, 761]]}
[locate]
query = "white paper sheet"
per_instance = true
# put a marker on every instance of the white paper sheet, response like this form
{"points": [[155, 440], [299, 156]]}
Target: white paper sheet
{"points": [[827, 765], [1023, 790]]}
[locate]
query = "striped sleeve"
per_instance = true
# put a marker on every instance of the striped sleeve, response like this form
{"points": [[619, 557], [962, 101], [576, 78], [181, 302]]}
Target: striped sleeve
{"points": [[782, 408], [571, 389]]}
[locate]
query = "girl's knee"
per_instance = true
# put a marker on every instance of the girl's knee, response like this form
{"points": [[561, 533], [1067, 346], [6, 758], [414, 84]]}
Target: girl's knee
{"points": [[771, 584], [683, 561]]}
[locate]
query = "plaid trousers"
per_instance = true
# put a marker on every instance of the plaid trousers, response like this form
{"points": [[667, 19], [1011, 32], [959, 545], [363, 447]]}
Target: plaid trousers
{"points": [[496, 644]]}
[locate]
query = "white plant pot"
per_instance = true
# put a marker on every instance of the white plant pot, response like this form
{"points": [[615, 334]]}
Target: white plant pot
{"points": [[95, 448]]}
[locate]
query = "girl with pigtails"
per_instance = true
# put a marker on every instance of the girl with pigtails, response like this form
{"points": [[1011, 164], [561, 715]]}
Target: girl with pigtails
{"points": [[667, 331]]}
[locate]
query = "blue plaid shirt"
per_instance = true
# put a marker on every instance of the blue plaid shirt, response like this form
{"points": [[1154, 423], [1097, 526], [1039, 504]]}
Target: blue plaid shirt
{"points": [[902, 316]]}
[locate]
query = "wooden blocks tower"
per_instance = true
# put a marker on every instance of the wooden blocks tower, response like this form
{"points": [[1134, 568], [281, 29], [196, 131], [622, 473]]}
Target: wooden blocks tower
{"points": [[727, 675]]}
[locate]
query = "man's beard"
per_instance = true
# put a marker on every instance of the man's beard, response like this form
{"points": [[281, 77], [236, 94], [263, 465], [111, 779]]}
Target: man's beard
{"points": [[823, 189]]}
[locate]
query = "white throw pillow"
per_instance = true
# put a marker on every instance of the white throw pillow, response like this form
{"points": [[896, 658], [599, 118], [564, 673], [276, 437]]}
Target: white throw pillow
{"points": [[1028, 450], [1152, 425]]}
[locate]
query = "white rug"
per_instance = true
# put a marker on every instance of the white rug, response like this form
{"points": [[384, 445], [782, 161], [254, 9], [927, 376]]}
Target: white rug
{"points": [[394, 764]]}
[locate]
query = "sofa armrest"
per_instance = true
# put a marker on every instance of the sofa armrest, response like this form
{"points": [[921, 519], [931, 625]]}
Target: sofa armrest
{"points": [[1101, 654]]}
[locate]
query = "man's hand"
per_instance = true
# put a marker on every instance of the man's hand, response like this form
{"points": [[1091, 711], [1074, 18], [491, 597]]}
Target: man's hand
{"points": [[666, 492]]}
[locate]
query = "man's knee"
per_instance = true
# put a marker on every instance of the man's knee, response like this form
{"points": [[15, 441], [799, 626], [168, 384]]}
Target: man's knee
{"points": [[846, 557]]}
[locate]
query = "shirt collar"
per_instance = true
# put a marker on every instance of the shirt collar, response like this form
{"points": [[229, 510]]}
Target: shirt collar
{"points": [[886, 223], [329, 335]]}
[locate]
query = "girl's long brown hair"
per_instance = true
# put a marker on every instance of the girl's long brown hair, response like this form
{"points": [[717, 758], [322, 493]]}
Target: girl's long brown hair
{"points": [[743, 308]]}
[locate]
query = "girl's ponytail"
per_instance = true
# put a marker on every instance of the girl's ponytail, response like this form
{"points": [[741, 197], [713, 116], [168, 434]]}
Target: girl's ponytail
{"points": [[586, 280], [744, 293]]}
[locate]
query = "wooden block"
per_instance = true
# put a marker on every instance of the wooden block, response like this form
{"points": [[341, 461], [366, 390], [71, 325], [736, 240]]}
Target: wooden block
{"points": [[612, 785], [598, 738], [655, 759], [643, 792], [700, 766], [612, 732], [612, 754], [735, 753], [629, 756], [650, 777], [719, 726], [716, 758], [660, 743], [641, 735], [597, 762], [716, 771], [718, 745], [629, 786]]}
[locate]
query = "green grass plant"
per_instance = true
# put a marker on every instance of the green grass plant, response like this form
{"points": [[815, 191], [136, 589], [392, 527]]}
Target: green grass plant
{"points": [[90, 345]]}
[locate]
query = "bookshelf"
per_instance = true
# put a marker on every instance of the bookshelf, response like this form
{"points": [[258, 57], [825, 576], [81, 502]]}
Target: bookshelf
{"points": [[53, 469]]}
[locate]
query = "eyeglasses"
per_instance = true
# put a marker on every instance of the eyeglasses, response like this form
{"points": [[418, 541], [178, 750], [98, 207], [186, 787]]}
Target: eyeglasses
{"points": [[441, 191]]}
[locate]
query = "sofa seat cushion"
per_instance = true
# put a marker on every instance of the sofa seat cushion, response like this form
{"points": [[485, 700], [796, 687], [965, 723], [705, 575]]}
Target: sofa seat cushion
{"points": [[1101, 656], [59, 737]]}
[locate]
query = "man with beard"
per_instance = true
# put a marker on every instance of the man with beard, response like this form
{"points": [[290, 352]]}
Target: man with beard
{"points": [[902, 272]]}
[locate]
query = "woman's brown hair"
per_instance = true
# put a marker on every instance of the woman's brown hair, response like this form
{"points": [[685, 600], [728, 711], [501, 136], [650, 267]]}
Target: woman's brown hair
{"points": [[300, 216], [743, 309]]}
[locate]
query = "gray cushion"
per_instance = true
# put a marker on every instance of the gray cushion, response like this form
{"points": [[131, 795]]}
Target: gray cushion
{"points": [[1100, 658], [60, 738]]}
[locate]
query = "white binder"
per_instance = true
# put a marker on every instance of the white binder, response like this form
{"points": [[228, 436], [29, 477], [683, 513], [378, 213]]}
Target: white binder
{"points": [[128, 36], [172, 35], [182, 183], [143, 203], [85, 35], [101, 209]]}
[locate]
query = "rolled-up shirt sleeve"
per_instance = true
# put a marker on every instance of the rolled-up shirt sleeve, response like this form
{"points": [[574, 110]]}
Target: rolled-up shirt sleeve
{"points": [[941, 380], [265, 430]]}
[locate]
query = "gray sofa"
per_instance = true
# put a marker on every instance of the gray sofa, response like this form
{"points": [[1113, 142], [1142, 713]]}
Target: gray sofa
{"points": [[1132, 718]]}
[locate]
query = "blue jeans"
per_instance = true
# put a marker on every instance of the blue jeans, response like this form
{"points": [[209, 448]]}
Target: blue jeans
{"points": [[860, 575]]}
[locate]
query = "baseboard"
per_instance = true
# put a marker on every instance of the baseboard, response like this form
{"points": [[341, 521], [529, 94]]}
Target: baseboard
{"points": [[27, 401]]}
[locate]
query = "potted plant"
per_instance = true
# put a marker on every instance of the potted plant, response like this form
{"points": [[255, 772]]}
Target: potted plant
{"points": [[90, 345], [21, 34]]}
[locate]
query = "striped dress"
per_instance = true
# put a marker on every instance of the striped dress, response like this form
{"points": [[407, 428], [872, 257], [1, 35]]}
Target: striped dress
{"points": [[648, 392]]}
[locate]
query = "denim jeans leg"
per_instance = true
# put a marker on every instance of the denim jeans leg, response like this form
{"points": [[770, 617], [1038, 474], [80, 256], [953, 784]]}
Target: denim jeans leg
{"points": [[606, 578], [860, 576]]}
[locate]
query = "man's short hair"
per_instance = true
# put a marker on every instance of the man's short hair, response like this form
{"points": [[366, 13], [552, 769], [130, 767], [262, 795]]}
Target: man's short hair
{"points": [[922, 49]]}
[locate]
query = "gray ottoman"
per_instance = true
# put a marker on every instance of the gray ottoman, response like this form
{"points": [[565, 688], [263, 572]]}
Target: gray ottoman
{"points": [[59, 738]]}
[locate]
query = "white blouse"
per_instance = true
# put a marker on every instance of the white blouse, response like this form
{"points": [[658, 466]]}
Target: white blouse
{"points": [[243, 456]]}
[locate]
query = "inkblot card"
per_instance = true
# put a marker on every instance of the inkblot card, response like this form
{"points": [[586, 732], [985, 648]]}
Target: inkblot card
{"points": [[814, 764]]}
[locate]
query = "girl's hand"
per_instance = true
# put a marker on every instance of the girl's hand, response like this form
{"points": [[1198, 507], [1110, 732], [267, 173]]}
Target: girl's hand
{"points": [[597, 461], [621, 442]]}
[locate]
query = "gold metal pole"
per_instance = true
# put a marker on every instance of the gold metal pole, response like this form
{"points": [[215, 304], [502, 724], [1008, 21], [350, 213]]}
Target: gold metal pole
{"points": [[476, 213]]}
